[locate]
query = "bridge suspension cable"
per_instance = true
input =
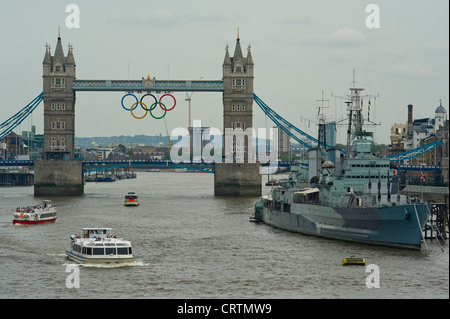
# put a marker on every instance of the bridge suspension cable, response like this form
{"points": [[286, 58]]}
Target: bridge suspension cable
{"points": [[284, 124], [414, 152], [11, 123]]}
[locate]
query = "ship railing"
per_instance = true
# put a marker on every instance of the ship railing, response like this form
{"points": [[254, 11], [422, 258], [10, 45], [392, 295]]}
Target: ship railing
{"points": [[435, 228]]}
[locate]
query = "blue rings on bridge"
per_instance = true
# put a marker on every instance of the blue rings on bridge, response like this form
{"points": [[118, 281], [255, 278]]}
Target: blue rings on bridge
{"points": [[134, 105], [152, 106]]}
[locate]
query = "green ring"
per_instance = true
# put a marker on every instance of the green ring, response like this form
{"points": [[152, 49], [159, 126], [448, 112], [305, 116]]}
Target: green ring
{"points": [[151, 108]]}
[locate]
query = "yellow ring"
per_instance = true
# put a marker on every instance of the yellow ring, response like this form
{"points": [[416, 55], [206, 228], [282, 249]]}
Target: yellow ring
{"points": [[145, 114]]}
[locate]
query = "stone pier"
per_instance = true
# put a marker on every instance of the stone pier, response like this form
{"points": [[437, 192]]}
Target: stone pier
{"points": [[58, 178], [237, 179]]}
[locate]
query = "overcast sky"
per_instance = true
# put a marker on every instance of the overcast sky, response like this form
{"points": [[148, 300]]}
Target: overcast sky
{"points": [[300, 48]]}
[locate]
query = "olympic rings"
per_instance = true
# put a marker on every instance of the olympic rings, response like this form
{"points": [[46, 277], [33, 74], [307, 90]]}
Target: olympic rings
{"points": [[152, 107], [152, 104], [174, 102], [125, 97], [133, 106]]}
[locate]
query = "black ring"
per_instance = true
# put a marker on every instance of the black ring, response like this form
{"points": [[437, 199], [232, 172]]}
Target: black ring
{"points": [[154, 105]]}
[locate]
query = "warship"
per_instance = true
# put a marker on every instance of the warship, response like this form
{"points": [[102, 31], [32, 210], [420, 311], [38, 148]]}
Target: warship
{"points": [[352, 195]]}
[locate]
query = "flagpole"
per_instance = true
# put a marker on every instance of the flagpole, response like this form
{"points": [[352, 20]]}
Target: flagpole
{"points": [[421, 192]]}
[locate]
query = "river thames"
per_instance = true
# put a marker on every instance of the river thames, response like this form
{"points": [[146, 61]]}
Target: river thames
{"points": [[190, 244]]}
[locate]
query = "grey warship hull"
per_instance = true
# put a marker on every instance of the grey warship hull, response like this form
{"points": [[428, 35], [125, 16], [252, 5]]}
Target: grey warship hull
{"points": [[396, 226]]}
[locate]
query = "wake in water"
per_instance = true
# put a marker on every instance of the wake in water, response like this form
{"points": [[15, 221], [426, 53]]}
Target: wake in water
{"points": [[134, 263]]}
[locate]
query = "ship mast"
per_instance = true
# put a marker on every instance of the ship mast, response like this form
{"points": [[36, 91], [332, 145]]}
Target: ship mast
{"points": [[322, 123], [355, 119]]}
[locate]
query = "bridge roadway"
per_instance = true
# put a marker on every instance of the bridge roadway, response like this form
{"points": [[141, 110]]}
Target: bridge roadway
{"points": [[100, 165], [148, 85]]}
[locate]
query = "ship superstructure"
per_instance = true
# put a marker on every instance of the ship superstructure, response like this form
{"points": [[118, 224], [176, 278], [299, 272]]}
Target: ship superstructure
{"points": [[351, 195]]}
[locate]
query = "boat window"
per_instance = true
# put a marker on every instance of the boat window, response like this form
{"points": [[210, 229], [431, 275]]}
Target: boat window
{"points": [[110, 251], [99, 244], [122, 251], [98, 251], [88, 251], [359, 201], [84, 250], [120, 244], [109, 244], [129, 250]]}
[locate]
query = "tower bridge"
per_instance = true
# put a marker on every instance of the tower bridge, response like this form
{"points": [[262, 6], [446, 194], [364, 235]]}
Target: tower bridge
{"points": [[61, 173]]}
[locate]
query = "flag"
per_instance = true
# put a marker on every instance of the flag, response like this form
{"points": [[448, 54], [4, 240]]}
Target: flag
{"points": [[369, 104], [422, 177]]}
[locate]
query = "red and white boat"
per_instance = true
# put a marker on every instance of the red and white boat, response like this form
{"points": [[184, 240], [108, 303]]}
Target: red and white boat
{"points": [[42, 213]]}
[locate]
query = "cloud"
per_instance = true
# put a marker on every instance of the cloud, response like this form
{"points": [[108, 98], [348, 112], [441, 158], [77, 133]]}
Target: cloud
{"points": [[347, 36], [299, 21], [340, 37], [163, 19], [405, 68]]}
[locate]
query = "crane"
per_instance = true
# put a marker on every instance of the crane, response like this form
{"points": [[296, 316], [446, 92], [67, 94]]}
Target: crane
{"points": [[167, 132], [188, 99]]}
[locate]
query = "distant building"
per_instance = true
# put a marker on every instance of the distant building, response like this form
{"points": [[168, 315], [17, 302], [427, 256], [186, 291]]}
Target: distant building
{"points": [[284, 141], [12, 146], [35, 143], [442, 151], [419, 132], [399, 134]]}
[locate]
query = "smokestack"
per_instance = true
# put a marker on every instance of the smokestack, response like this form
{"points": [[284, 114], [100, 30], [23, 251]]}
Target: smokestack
{"points": [[410, 114]]}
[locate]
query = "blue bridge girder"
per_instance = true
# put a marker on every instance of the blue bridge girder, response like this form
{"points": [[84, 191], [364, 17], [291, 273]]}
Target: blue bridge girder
{"points": [[149, 86], [92, 166], [100, 165], [414, 152], [419, 167]]}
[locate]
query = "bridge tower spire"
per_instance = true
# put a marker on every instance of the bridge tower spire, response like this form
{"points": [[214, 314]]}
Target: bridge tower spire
{"points": [[59, 102], [239, 175], [54, 175]]}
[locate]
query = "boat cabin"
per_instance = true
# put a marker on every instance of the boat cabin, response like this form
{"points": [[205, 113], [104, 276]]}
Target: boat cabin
{"points": [[96, 232], [131, 195], [307, 196]]}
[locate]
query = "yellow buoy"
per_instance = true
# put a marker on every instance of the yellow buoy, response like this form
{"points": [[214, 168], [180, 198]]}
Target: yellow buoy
{"points": [[350, 261]]}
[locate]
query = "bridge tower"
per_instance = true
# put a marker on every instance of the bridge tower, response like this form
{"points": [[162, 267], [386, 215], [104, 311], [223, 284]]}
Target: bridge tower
{"points": [[59, 102], [242, 176], [58, 173]]}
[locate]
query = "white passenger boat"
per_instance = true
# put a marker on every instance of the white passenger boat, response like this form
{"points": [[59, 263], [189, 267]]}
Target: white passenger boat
{"points": [[99, 246], [131, 199], [39, 214]]}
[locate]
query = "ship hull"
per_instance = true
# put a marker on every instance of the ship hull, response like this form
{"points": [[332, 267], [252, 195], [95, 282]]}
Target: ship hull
{"points": [[396, 226], [33, 222], [99, 260]]}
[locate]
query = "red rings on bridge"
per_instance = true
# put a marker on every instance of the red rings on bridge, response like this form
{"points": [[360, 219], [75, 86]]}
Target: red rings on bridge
{"points": [[162, 105]]}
